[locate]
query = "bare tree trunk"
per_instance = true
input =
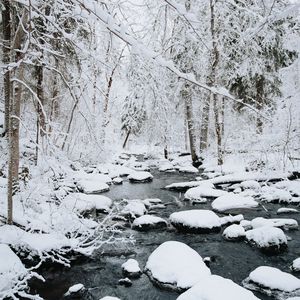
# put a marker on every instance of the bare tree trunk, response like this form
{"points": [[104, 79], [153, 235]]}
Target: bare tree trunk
{"points": [[126, 139], [186, 94], [204, 124], [14, 120], [218, 129], [6, 28], [259, 102]]}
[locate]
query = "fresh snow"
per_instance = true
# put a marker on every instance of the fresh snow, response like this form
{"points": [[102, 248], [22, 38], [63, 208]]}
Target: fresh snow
{"points": [[215, 287], [140, 176], [11, 270], [92, 187], [82, 202], [232, 201], [233, 232], [267, 236], [296, 265], [75, 288], [285, 210], [131, 266], [282, 223], [134, 208], [148, 220], [177, 265], [203, 191], [274, 279], [195, 219]]}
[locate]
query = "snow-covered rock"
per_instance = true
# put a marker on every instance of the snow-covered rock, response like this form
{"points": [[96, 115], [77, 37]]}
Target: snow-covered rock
{"points": [[76, 288], [95, 177], [292, 186], [285, 210], [188, 169], [197, 221], [125, 281], [183, 186], [268, 279], [140, 176], [117, 180], [11, 270], [251, 184], [134, 208], [268, 239], [151, 201], [206, 190], [82, 203], [275, 195], [166, 166], [286, 224], [234, 232], [176, 265], [215, 287], [109, 298], [92, 187], [296, 265], [131, 268], [232, 201], [231, 219], [147, 222], [36, 243]]}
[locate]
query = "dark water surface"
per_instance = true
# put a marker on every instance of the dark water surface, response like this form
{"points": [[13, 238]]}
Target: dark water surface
{"points": [[100, 274]]}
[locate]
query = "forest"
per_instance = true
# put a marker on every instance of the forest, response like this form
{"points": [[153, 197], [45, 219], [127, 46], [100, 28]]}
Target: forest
{"points": [[150, 149]]}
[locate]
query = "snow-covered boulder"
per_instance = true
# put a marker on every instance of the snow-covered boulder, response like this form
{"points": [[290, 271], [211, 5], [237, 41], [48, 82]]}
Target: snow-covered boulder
{"points": [[140, 176], [74, 289], [125, 281], [183, 186], [109, 298], [286, 210], [175, 265], [188, 169], [269, 239], [296, 265], [251, 184], [92, 187], [215, 287], [131, 268], [196, 221], [117, 180], [292, 186], [151, 201], [275, 195], [286, 224], [272, 281], [134, 208], [166, 166], [11, 270], [234, 233], [232, 201], [203, 191], [82, 202], [227, 220], [95, 177], [147, 222]]}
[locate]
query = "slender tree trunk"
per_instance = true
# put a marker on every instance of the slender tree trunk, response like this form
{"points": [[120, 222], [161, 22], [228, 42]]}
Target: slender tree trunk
{"points": [[218, 129], [204, 124], [187, 97], [6, 27], [259, 102], [126, 139]]}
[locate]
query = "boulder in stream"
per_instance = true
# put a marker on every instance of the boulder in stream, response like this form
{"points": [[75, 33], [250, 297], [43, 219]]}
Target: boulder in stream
{"points": [[147, 222]]}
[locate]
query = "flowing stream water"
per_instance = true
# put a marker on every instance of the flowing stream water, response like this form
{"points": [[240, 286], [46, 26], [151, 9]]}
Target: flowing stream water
{"points": [[101, 272]]}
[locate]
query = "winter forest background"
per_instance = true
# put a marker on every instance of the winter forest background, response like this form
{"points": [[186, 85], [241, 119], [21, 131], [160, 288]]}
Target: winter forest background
{"points": [[83, 81]]}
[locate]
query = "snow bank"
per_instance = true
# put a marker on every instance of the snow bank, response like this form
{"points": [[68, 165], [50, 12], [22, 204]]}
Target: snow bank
{"points": [[216, 288], [11, 269], [197, 220], [232, 201], [188, 169], [251, 184], [275, 195], [176, 265], [81, 202]]}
